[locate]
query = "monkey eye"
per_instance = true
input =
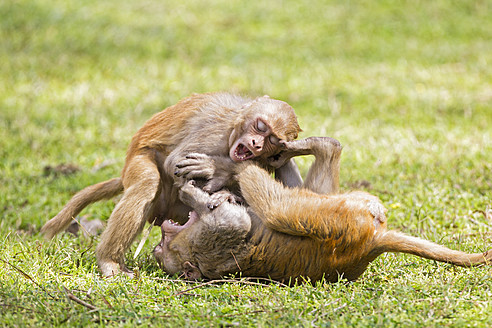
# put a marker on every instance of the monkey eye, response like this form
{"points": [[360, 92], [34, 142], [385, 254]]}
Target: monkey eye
{"points": [[273, 139], [261, 126]]}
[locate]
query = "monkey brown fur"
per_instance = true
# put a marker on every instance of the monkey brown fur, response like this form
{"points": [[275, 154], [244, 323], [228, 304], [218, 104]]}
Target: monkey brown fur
{"points": [[286, 233], [213, 132]]}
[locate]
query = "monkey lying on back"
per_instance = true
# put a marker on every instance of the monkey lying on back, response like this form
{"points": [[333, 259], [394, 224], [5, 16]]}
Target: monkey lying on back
{"points": [[225, 128], [288, 233]]}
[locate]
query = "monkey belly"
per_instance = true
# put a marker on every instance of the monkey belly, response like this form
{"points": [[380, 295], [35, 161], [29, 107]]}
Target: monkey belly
{"points": [[312, 261], [286, 258]]}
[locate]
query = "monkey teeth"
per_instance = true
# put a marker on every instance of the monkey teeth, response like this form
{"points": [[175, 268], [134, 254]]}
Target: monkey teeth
{"points": [[176, 224], [242, 153], [170, 226]]}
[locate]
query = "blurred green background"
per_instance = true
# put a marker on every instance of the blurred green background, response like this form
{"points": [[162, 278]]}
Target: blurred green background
{"points": [[406, 86]]}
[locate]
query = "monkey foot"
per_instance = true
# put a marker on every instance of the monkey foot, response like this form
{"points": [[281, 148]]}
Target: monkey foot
{"points": [[111, 269]]}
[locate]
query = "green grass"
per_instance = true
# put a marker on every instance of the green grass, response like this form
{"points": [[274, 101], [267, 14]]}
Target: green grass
{"points": [[406, 86]]}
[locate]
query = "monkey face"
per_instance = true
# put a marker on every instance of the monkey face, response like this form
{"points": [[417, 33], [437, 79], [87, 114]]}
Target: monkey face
{"points": [[189, 248], [257, 140], [265, 123], [170, 255]]}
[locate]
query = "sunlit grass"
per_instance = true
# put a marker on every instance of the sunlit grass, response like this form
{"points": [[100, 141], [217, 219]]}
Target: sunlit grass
{"points": [[405, 86]]}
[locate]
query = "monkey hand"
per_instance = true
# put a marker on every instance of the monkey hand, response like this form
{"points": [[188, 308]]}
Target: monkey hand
{"points": [[193, 196], [195, 166], [214, 169], [219, 197]]}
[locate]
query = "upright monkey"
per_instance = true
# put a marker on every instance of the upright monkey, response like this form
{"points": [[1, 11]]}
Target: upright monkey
{"points": [[286, 233], [215, 131]]}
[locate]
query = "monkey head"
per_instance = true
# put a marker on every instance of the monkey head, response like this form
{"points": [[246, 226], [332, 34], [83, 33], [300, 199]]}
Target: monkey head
{"points": [[173, 252], [262, 124], [195, 249]]}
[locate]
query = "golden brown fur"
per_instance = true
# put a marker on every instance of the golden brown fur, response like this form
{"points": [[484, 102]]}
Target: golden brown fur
{"points": [[223, 128], [287, 233]]}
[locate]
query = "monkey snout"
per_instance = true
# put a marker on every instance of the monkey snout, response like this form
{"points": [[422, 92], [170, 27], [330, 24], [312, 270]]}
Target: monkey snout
{"points": [[257, 144]]}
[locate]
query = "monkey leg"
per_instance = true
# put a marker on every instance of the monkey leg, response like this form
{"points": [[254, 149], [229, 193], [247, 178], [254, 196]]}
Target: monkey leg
{"points": [[323, 176], [142, 187], [297, 212]]}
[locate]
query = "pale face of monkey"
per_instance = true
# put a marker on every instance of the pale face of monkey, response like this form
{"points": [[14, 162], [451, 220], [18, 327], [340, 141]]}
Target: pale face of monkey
{"points": [[258, 135], [218, 229], [258, 139]]}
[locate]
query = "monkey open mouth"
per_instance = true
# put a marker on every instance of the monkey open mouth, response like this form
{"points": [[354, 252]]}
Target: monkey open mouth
{"points": [[172, 227], [242, 153]]}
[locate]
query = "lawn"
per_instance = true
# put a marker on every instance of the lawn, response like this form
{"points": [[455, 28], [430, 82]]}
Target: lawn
{"points": [[406, 86]]}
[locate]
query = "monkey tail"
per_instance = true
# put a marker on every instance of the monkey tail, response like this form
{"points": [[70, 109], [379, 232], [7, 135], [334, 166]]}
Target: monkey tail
{"points": [[88, 195], [394, 241]]}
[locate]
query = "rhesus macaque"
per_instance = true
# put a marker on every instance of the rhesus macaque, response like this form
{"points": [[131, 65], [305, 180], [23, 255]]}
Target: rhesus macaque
{"points": [[285, 233], [214, 131]]}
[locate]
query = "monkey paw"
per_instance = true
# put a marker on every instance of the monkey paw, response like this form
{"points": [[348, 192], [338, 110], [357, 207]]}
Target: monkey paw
{"points": [[216, 199], [193, 196], [195, 166]]}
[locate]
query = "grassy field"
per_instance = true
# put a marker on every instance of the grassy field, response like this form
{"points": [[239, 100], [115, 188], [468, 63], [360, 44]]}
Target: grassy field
{"points": [[406, 86]]}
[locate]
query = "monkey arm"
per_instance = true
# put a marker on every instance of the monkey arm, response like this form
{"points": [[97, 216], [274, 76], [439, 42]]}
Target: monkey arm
{"points": [[228, 215]]}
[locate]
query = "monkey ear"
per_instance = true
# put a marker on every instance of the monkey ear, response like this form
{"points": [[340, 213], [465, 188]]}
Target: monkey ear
{"points": [[236, 132], [191, 272]]}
